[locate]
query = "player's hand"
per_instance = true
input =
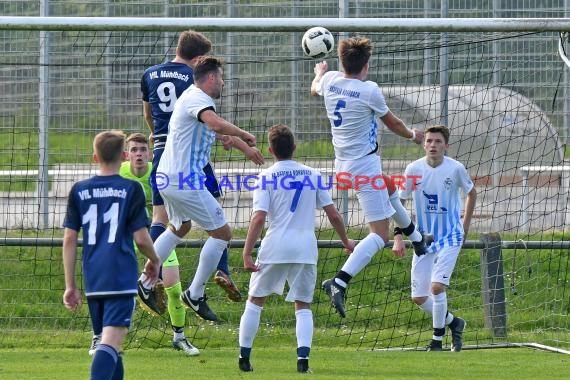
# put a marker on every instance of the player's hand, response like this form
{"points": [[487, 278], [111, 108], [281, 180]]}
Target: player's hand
{"points": [[419, 136], [349, 248], [248, 263], [227, 141], [321, 68], [399, 247], [255, 156], [248, 138], [72, 299], [151, 270]]}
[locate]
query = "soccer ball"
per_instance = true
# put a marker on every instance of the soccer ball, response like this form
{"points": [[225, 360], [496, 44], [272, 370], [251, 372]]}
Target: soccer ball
{"points": [[317, 42]]}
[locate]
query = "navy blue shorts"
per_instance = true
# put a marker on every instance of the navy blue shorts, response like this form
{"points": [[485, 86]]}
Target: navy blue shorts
{"points": [[211, 181], [111, 311], [156, 198]]}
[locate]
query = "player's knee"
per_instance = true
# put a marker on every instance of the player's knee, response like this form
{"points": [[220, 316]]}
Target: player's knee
{"points": [[437, 288], [384, 235], [159, 214], [381, 228], [300, 305], [419, 300], [222, 233]]}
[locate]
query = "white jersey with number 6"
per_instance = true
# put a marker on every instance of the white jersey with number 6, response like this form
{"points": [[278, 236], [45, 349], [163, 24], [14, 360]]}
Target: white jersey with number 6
{"points": [[290, 192], [353, 107]]}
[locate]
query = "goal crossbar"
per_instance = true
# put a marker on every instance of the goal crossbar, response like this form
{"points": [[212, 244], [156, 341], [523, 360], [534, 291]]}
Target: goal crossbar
{"points": [[227, 24]]}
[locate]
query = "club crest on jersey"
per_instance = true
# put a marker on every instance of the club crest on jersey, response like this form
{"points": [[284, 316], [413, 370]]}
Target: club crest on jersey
{"points": [[432, 201], [447, 183]]}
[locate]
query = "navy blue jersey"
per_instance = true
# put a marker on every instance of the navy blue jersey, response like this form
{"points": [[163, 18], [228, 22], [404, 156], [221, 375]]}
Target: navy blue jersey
{"points": [[108, 209], [161, 86]]}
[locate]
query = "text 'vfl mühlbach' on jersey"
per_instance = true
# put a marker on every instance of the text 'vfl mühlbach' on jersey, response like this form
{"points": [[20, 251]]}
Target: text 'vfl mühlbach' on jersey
{"points": [[169, 75], [102, 193]]}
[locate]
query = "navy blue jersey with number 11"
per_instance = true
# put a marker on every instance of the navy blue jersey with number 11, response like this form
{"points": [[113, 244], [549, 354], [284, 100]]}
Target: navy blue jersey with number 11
{"points": [[108, 209]]}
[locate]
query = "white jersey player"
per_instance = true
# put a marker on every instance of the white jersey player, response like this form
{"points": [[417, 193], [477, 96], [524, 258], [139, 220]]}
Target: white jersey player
{"points": [[436, 192], [192, 130], [286, 194], [354, 106]]}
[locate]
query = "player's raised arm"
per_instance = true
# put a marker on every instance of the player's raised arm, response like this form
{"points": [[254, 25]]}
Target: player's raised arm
{"points": [[320, 69]]}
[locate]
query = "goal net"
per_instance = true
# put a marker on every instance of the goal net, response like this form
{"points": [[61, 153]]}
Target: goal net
{"points": [[503, 95]]}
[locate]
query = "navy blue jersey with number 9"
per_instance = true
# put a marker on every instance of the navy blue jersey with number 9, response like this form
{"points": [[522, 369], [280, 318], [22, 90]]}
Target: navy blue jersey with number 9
{"points": [[161, 86]]}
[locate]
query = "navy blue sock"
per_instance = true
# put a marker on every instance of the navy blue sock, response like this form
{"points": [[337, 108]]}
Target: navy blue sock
{"points": [[119, 369], [104, 363], [244, 352], [97, 327], [303, 352], [223, 263], [156, 229]]}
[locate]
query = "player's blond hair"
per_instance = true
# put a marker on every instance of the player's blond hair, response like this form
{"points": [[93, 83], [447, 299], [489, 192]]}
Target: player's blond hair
{"points": [[137, 137]]}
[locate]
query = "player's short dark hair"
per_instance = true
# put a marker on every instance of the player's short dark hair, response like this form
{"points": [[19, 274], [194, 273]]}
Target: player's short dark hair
{"points": [[137, 137], [109, 146], [206, 65], [192, 44], [354, 53], [439, 129], [281, 141]]}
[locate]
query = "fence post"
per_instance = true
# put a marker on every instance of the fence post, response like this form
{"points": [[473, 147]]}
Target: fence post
{"points": [[493, 285]]}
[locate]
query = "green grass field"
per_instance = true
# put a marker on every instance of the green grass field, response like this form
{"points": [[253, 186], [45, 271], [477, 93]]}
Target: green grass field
{"points": [[40, 339], [280, 363]]}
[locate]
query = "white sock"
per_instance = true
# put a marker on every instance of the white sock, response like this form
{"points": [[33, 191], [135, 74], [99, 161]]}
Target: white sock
{"points": [[249, 323], [163, 246], [427, 306], [178, 336], [363, 253], [209, 257], [304, 327], [165, 243], [402, 217], [439, 310]]}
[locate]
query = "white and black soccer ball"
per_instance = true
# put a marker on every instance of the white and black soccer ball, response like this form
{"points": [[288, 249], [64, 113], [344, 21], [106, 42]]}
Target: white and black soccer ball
{"points": [[317, 42]]}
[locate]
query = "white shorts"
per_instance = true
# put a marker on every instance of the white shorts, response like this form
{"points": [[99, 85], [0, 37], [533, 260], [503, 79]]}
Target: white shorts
{"points": [[196, 205], [432, 267], [372, 196], [270, 279]]}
